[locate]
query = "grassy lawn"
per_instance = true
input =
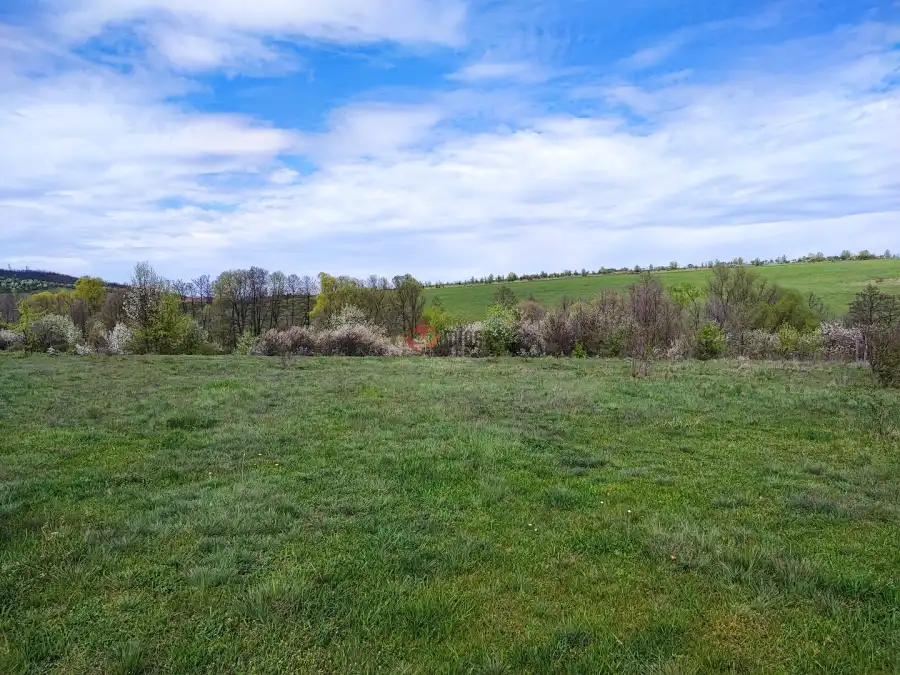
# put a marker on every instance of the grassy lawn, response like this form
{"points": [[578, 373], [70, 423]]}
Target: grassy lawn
{"points": [[837, 283], [237, 515]]}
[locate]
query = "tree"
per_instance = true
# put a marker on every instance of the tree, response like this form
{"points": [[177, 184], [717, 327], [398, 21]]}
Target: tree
{"points": [[257, 295], [505, 298], [277, 285], [733, 296], [231, 302], [408, 302], [292, 290], [309, 290], [91, 291], [655, 318], [690, 299], [874, 308], [372, 298], [144, 296]]}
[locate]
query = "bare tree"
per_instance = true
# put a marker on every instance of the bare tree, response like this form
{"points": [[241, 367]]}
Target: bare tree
{"points": [[292, 288], [257, 293], [182, 288], [373, 298], [656, 318], [203, 292], [408, 302], [309, 287], [232, 294], [113, 310], [277, 283], [734, 295]]}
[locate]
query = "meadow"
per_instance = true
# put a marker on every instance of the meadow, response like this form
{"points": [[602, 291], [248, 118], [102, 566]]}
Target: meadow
{"points": [[195, 514], [837, 283]]}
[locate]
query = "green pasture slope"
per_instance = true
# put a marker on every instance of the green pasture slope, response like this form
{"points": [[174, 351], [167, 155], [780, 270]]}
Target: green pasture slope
{"points": [[837, 283], [240, 515]]}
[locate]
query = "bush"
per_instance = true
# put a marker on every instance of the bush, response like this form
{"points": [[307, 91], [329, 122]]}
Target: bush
{"points": [[499, 331], [556, 333], [884, 356], [840, 343], [463, 340], [10, 339], [53, 331], [119, 339], [684, 348], [710, 342], [528, 338], [358, 340], [809, 344], [350, 315], [760, 344], [531, 311], [579, 352], [788, 340]]}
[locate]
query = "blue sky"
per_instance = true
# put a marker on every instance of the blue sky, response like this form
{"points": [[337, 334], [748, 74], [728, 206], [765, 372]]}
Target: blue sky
{"points": [[444, 138]]}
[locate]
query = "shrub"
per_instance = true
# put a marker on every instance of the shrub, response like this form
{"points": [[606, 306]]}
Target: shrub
{"points": [[531, 311], [761, 344], [684, 347], [586, 328], [840, 343], [556, 333], [809, 344], [579, 352], [528, 338], [53, 331], [499, 331], [884, 357], [349, 315], [191, 337], [710, 342], [788, 340], [462, 340], [119, 339], [10, 339], [246, 344], [357, 340], [298, 341]]}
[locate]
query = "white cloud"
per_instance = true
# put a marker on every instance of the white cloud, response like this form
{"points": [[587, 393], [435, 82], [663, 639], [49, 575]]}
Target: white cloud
{"points": [[202, 34], [100, 167], [510, 71], [373, 130]]}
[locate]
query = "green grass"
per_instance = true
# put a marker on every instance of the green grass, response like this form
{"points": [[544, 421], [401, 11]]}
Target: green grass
{"points": [[237, 515], [835, 282]]}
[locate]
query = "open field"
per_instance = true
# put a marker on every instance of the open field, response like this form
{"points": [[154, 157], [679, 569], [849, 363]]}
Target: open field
{"points": [[171, 514], [835, 282]]}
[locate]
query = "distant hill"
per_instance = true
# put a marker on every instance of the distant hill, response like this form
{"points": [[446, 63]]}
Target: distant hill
{"points": [[835, 282], [31, 281]]}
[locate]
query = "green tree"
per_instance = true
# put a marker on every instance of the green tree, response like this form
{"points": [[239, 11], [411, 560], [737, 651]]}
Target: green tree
{"points": [[92, 292], [505, 298], [873, 307]]}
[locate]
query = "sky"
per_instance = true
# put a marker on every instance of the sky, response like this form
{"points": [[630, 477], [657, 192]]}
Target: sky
{"points": [[444, 138]]}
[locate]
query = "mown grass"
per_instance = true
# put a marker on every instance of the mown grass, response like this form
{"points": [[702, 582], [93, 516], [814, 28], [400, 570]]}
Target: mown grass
{"points": [[436, 515], [837, 283]]}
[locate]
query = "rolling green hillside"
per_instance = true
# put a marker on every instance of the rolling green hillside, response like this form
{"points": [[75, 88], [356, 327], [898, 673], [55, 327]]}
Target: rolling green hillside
{"points": [[836, 282]]}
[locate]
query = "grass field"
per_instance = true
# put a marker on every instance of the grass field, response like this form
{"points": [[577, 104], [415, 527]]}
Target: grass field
{"points": [[836, 282], [237, 515]]}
